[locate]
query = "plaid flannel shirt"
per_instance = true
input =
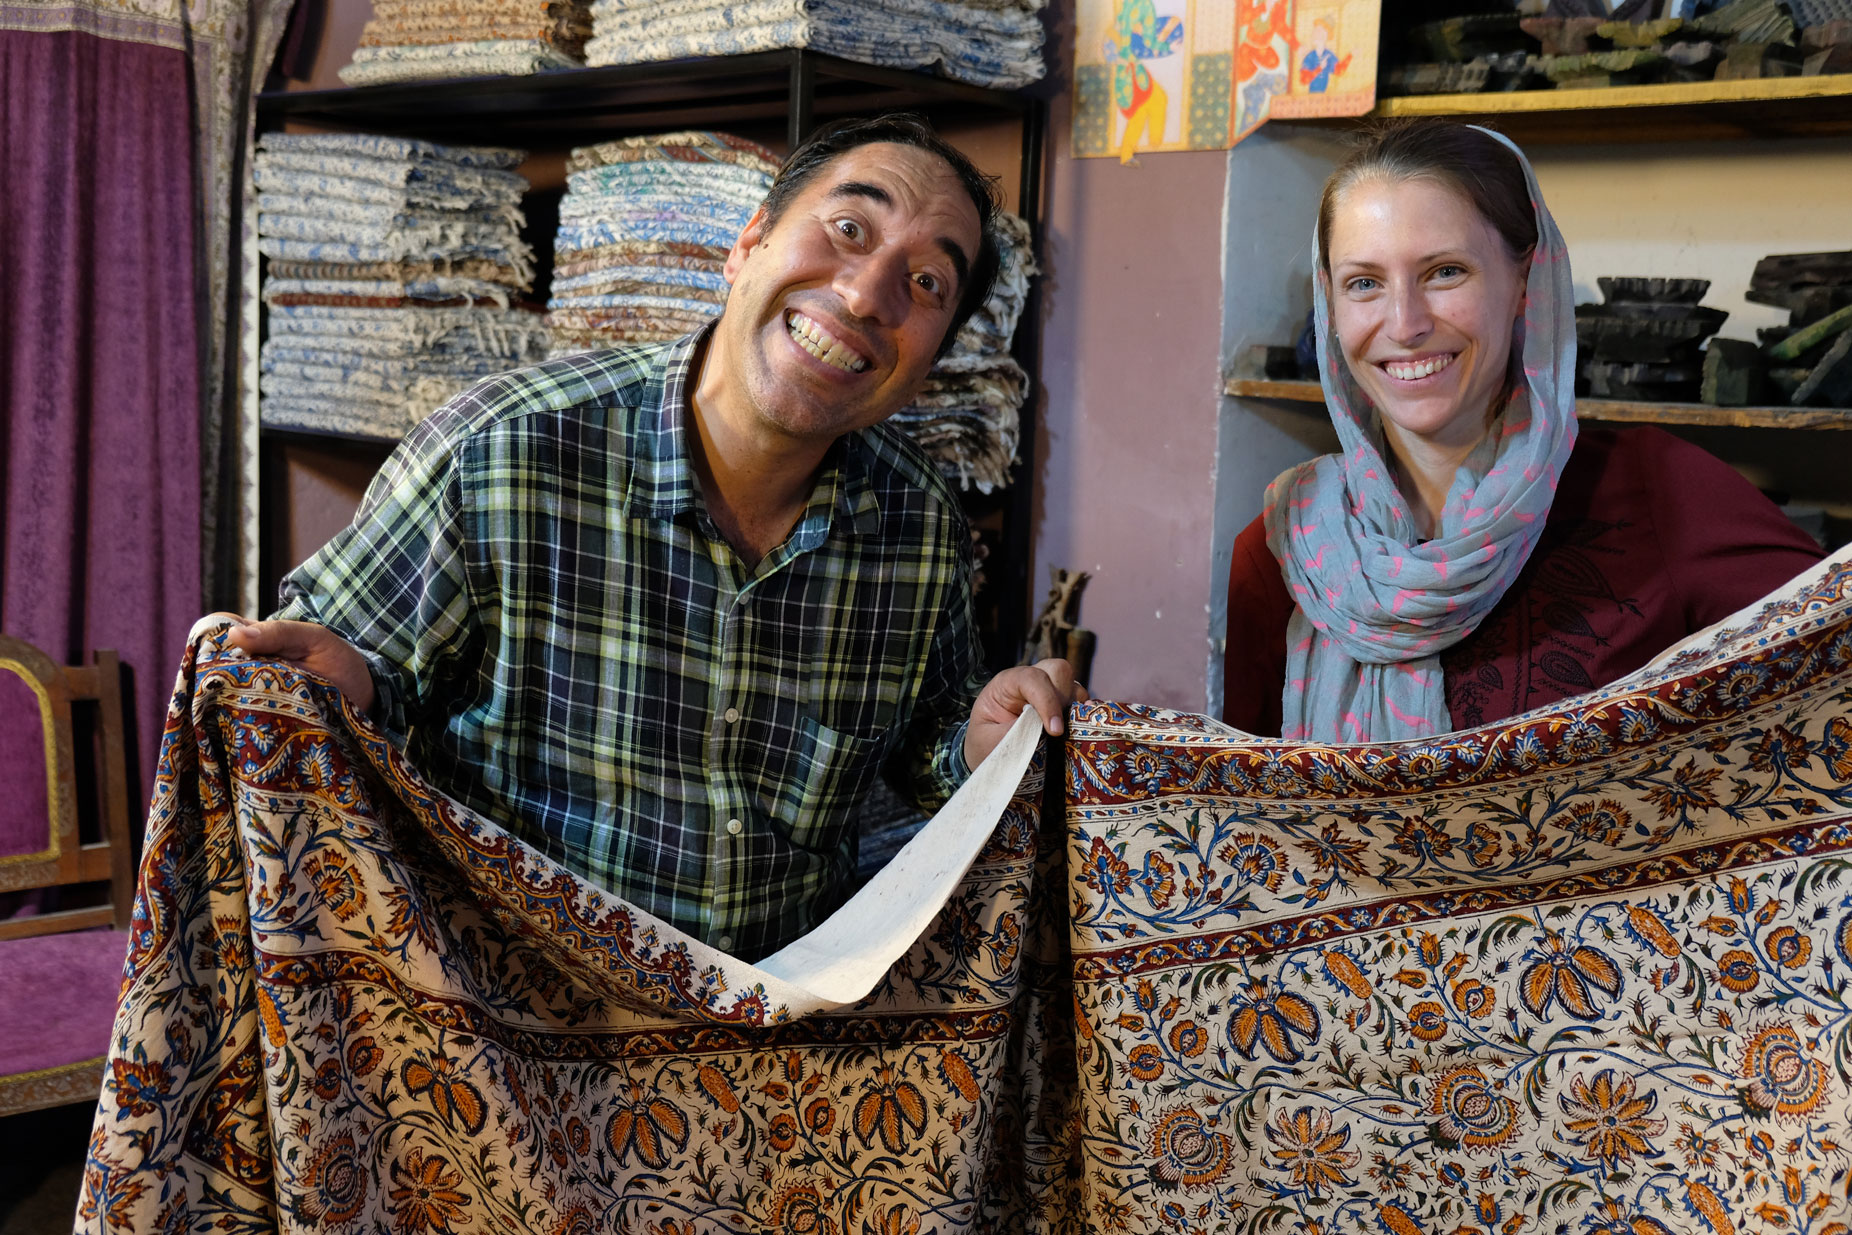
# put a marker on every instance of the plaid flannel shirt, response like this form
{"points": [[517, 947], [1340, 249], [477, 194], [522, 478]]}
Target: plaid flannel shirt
{"points": [[566, 643]]}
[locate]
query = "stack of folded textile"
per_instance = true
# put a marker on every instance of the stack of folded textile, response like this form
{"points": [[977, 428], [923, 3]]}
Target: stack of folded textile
{"points": [[967, 416], [408, 40], [644, 230], [994, 43], [392, 264]]}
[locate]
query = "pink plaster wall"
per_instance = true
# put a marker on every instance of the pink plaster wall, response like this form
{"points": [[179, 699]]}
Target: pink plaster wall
{"points": [[1125, 451]]}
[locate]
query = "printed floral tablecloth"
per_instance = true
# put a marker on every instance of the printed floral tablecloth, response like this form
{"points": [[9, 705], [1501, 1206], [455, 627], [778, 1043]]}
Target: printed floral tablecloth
{"points": [[1588, 971]]}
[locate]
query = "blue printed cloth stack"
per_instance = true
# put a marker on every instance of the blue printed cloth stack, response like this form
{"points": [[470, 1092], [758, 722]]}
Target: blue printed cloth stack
{"points": [[391, 276], [644, 230], [967, 417], [410, 40], [994, 43]]}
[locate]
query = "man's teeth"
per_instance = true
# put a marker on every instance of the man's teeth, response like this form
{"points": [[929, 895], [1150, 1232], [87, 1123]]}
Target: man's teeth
{"points": [[1409, 372], [813, 339]]}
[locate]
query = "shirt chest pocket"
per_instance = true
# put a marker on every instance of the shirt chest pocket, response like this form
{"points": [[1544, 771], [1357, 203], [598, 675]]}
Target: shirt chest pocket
{"points": [[810, 784]]}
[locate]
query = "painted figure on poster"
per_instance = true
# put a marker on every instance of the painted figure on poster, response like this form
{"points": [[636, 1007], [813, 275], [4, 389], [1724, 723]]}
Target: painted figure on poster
{"points": [[1322, 63], [1140, 35], [1260, 26]]}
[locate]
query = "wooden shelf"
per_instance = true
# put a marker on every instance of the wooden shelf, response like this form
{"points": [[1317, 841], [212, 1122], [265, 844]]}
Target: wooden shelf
{"points": [[1710, 110], [1612, 411], [596, 104]]}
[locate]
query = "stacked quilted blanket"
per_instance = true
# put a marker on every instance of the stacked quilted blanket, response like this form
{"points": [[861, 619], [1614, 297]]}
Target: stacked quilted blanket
{"points": [[644, 230], [409, 40], [1588, 970], [987, 42], [392, 268]]}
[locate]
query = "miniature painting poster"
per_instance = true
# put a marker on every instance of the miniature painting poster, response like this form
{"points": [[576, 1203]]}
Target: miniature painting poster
{"points": [[1158, 75]]}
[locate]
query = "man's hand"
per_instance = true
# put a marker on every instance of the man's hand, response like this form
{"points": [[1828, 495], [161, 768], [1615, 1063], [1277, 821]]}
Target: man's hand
{"points": [[1048, 687], [315, 648]]}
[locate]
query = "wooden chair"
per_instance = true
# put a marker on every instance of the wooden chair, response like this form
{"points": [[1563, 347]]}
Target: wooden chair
{"points": [[61, 971]]}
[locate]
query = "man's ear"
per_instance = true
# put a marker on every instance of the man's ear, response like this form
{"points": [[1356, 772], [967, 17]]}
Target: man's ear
{"points": [[748, 240]]}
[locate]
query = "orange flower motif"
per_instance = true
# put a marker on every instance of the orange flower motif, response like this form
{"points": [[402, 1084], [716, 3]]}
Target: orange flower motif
{"points": [[1106, 871], [1570, 974], [1427, 1020], [890, 1107], [1469, 1113], [955, 1072], [1690, 790], [1783, 1080], [782, 1132], [1188, 1039], [1398, 1221], [647, 1126], [1737, 971], [714, 1084], [899, 1220], [1647, 930], [335, 1185], [1474, 998], [1742, 897], [1789, 947], [1271, 1018], [363, 1055], [1344, 972], [456, 1101], [1708, 1205], [271, 1016], [338, 883], [820, 1116], [1185, 1153], [1609, 1120], [1310, 1151], [326, 1084], [579, 1221], [1256, 860], [799, 1208], [427, 1198], [1597, 823], [1145, 1062], [1836, 747]]}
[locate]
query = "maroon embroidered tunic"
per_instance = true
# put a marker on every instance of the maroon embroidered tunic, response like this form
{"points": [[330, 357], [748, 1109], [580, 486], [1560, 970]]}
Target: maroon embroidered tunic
{"points": [[1649, 539]]}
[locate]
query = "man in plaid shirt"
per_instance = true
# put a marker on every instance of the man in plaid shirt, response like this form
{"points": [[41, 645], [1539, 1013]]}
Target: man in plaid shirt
{"points": [[666, 610]]}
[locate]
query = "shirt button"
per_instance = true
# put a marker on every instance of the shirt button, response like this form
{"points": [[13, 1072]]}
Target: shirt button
{"points": [[734, 827], [724, 942], [733, 716]]}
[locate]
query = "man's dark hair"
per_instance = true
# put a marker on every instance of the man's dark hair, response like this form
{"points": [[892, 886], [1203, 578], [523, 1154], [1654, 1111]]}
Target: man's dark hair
{"points": [[904, 129]]}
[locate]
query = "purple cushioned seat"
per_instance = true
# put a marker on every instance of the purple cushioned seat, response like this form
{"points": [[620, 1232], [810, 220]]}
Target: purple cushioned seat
{"points": [[58, 998]]}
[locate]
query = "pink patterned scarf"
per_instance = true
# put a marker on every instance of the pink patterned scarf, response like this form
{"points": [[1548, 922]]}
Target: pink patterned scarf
{"points": [[1375, 608]]}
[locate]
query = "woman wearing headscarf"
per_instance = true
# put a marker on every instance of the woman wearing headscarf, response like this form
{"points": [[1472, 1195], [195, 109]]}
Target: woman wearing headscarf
{"points": [[1466, 556]]}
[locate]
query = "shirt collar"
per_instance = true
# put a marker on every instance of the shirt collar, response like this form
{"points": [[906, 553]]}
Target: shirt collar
{"points": [[662, 480]]}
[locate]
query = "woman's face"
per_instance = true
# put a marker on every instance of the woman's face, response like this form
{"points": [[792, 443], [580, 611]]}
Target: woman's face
{"points": [[1423, 298]]}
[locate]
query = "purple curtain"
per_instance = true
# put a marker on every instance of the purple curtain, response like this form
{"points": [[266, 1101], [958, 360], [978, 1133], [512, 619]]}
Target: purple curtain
{"points": [[100, 370]]}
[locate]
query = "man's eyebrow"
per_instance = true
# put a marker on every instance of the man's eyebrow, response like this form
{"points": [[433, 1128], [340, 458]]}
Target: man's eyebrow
{"points": [[954, 252]]}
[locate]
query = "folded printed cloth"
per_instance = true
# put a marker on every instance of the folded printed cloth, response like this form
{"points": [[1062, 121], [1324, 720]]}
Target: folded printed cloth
{"points": [[622, 278], [494, 58], [434, 288], [689, 146], [406, 150], [991, 46], [469, 268]]}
